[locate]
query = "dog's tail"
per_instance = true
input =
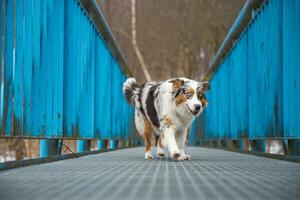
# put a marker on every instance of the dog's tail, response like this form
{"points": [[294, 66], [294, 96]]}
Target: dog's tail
{"points": [[131, 90]]}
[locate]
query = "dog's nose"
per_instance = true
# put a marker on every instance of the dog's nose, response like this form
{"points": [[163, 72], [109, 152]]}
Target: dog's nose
{"points": [[197, 107]]}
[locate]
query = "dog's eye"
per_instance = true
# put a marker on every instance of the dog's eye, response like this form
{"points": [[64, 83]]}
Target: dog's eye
{"points": [[201, 96], [189, 95]]}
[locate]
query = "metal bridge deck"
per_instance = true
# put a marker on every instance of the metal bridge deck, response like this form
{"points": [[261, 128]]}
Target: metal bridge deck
{"points": [[124, 174]]}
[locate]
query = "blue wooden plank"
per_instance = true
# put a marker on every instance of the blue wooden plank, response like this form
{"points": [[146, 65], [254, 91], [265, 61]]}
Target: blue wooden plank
{"points": [[108, 100], [36, 68], [91, 84], [238, 86], [101, 91], [2, 58], [78, 71], [124, 113], [111, 97], [69, 82], [54, 69], [87, 99], [9, 60], [211, 126], [43, 71], [59, 8], [114, 107], [291, 70], [107, 104], [18, 68], [224, 93], [49, 72], [119, 94], [82, 77], [54, 29], [27, 69]]}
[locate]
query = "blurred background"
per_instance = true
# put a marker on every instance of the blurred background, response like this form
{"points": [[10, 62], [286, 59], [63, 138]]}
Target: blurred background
{"points": [[173, 37], [159, 39]]}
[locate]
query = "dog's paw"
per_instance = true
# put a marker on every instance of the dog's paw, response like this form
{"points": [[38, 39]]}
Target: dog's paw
{"points": [[186, 157], [176, 155], [148, 155], [160, 154]]}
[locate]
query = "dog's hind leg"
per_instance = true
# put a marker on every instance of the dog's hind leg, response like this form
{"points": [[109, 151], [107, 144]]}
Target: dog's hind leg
{"points": [[145, 130], [147, 136]]}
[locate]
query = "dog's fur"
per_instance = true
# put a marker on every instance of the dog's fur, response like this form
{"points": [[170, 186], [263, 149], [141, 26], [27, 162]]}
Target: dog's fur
{"points": [[164, 111]]}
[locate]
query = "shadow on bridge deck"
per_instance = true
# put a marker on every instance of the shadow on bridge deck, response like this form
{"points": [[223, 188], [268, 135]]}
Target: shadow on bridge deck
{"points": [[124, 174]]}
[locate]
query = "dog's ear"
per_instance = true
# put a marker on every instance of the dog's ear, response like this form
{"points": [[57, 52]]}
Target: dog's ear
{"points": [[177, 83], [205, 86]]}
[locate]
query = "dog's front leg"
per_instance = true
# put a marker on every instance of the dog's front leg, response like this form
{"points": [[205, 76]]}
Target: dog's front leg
{"points": [[170, 140], [180, 139]]}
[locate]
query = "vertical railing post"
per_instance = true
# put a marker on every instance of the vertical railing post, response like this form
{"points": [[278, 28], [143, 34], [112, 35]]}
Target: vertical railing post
{"points": [[137, 143], [49, 147], [83, 145], [102, 144], [258, 145], [113, 144]]}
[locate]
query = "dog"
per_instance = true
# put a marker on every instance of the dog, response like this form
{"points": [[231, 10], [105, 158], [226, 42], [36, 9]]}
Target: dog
{"points": [[164, 111]]}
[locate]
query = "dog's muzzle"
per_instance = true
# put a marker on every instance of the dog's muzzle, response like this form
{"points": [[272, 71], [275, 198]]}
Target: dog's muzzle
{"points": [[196, 109]]}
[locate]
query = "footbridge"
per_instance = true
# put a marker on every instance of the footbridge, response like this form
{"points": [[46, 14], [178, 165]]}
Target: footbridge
{"points": [[61, 79]]}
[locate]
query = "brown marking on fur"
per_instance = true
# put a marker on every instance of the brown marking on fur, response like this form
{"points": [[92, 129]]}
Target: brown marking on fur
{"points": [[190, 93], [180, 99], [204, 102], [168, 121], [160, 142], [191, 90], [147, 135], [177, 83]]}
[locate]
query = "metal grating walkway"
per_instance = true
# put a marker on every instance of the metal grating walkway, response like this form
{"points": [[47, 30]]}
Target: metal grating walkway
{"points": [[124, 174]]}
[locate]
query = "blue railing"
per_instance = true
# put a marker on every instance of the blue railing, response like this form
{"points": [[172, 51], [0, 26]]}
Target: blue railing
{"points": [[255, 91], [61, 74]]}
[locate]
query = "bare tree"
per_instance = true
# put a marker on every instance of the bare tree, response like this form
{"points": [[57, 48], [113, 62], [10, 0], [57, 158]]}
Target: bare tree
{"points": [[170, 38], [134, 42]]}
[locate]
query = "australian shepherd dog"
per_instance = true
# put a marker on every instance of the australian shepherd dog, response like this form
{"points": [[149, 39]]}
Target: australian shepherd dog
{"points": [[164, 111]]}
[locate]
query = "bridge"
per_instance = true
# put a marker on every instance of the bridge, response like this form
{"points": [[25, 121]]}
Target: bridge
{"points": [[61, 78]]}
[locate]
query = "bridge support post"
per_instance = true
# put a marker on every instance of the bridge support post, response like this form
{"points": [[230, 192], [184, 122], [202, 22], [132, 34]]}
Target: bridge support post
{"points": [[292, 147], [102, 144], [137, 143], [258, 146], [49, 147], [126, 143], [122, 144], [113, 144], [83, 145]]}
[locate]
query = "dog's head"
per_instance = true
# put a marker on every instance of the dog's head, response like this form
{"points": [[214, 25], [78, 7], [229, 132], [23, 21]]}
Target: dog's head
{"points": [[189, 95]]}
